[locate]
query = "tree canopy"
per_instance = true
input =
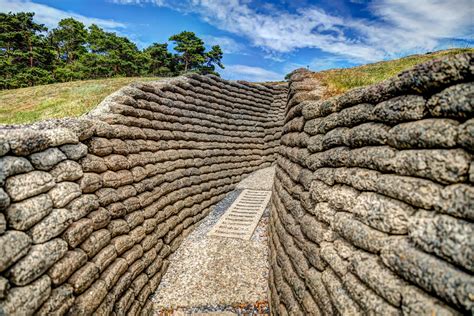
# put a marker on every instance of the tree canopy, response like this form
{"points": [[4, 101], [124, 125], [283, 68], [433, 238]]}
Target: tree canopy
{"points": [[30, 54], [193, 54]]}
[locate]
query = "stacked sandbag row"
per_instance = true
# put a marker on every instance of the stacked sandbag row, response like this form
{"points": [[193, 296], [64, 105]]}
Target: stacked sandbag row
{"points": [[89, 218], [40, 198], [373, 200], [273, 133]]}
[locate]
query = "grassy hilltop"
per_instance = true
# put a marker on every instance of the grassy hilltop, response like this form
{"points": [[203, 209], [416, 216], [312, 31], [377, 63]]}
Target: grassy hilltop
{"points": [[69, 99], [339, 81], [26, 105]]}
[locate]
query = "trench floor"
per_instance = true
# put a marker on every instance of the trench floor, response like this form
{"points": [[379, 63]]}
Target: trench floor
{"points": [[219, 275]]}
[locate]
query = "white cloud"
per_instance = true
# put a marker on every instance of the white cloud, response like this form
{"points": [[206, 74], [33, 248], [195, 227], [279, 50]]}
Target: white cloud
{"points": [[426, 21], [51, 16], [157, 2], [329, 62], [402, 26], [227, 44], [244, 72], [416, 26], [278, 31]]}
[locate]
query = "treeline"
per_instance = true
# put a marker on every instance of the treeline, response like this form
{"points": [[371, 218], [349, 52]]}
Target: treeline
{"points": [[30, 54]]}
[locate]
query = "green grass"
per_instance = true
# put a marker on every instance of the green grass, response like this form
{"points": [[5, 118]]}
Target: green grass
{"points": [[69, 99], [339, 81]]}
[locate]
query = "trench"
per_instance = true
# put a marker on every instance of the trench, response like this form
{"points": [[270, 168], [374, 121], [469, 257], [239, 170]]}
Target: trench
{"points": [[371, 209]]}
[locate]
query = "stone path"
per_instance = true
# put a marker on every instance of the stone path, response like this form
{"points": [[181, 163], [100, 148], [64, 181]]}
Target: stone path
{"points": [[215, 274]]}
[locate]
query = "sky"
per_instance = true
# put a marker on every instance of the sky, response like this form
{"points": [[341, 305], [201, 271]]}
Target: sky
{"points": [[264, 40]]}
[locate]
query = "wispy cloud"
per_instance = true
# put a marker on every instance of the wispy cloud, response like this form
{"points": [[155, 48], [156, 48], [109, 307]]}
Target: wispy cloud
{"points": [[156, 2], [227, 44], [330, 62], [244, 72], [415, 26], [51, 16], [426, 20], [399, 26]]}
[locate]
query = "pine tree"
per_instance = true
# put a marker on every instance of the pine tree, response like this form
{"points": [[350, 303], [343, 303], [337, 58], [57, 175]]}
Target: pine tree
{"points": [[69, 39], [213, 57], [191, 48], [160, 60], [25, 53]]}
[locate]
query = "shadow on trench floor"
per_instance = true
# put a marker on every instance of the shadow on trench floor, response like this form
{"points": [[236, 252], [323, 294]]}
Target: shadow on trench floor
{"points": [[217, 275]]}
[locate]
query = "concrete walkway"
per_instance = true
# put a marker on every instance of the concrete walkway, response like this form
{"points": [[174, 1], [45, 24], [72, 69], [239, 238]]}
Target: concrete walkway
{"points": [[215, 274]]}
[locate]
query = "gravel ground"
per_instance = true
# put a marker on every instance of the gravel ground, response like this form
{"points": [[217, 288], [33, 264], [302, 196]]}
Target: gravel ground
{"points": [[215, 274], [259, 180]]}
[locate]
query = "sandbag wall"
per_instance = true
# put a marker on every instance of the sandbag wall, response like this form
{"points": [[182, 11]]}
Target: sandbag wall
{"points": [[373, 202], [92, 207]]}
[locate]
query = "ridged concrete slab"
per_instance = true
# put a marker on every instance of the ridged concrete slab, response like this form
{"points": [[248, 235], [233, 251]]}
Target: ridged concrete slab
{"points": [[241, 218]]}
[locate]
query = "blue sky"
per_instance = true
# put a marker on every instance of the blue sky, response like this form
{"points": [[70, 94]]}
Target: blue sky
{"points": [[264, 40]]}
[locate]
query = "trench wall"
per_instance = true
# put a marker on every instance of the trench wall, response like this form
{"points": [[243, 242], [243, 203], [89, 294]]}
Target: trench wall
{"points": [[91, 208], [373, 202]]}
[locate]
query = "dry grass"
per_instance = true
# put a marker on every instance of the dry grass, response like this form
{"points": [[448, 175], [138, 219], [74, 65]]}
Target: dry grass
{"points": [[339, 81], [69, 99]]}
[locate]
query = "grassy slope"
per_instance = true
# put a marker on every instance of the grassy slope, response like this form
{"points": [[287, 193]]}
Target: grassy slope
{"points": [[340, 80], [57, 100]]}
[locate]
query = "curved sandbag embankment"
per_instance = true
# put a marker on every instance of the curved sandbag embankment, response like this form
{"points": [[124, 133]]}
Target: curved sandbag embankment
{"points": [[91, 208], [373, 199]]}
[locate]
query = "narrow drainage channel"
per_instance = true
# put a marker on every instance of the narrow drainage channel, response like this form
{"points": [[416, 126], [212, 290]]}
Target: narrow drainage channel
{"points": [[209, 274]]}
